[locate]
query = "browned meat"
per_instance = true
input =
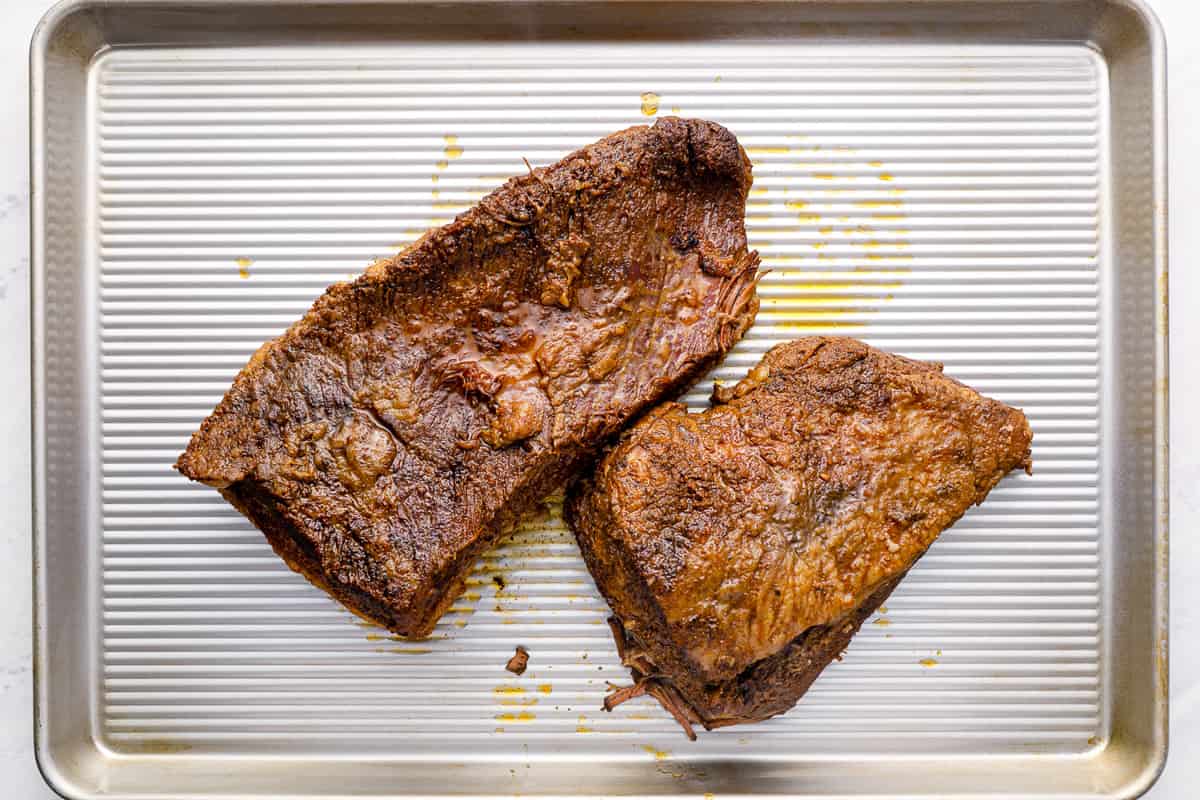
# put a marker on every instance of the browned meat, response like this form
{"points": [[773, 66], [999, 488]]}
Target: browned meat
{"points": [[742, 547], [392, 434], [519, 661]]}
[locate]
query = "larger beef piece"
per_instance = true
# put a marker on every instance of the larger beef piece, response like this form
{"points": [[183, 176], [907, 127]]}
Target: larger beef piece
{"points": [[741, 548], [411, 416]]}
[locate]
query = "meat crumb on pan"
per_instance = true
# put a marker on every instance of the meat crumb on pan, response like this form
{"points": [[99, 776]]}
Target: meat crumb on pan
{"points": [[519, 661]]}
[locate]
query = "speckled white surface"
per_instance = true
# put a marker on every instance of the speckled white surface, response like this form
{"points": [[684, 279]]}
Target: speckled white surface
{"points": [[18, 774]]}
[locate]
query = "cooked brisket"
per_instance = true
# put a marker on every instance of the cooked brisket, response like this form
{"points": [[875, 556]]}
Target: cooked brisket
{"points": [[411, 416]]}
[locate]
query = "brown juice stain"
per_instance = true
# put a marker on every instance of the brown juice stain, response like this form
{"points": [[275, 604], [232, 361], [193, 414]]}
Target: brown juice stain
{"points": [[649, 103], [659, 755], [927, 662], [523, 716], [244, 267]]}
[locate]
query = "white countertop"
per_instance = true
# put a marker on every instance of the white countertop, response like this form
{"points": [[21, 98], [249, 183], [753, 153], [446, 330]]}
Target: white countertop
{"points": [[18, 773]]}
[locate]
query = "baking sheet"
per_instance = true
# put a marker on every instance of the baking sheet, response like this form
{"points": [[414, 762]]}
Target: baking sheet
{"points": [[948, 201]]}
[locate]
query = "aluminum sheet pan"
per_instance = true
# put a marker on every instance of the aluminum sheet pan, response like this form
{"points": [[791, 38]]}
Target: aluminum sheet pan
{"points": [[980, 186]]}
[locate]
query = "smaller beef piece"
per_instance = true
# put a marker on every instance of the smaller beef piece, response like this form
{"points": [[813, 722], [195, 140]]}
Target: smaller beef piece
{"points": [[741, 548]]}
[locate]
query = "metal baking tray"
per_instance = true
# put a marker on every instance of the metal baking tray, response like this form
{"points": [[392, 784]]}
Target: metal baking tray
{"points": [[976, 183]]}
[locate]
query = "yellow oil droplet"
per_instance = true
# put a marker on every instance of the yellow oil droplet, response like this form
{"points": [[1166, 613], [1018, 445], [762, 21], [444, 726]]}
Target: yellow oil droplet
{"points": [[498, 730], [244, 267], [884, 176], [374, 637], [709, 796], [524, 716], [823, 176], [826, 230], [808, 218], [796, 204], [928, 662], [462, 623], [674, 109], [659, 755], [883, 609], [446, 206], [524, 702], [875, 163], [545, 688], [410, 650], [433, 178], [883, 622], [452, 148], [508, 690], [877, 203], [441, 163], [758, 192], [649, 103]]}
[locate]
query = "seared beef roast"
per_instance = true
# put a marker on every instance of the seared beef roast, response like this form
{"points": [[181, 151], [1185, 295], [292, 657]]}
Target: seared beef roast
{"points": [[741, 548], [389, 437]]}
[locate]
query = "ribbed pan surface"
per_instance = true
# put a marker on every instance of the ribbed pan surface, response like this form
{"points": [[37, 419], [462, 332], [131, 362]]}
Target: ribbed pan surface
{"points": [[939, 202]]}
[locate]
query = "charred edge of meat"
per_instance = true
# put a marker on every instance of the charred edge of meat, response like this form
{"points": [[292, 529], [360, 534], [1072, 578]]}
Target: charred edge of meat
{"points": [[647, 680]]}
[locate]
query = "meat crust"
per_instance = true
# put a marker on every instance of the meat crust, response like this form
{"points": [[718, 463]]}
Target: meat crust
{"points": [[741, 548], [411, 416]]}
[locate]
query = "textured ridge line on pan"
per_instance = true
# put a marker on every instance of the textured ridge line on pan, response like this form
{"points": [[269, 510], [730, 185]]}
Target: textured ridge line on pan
{"points": [[945, 207]]}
